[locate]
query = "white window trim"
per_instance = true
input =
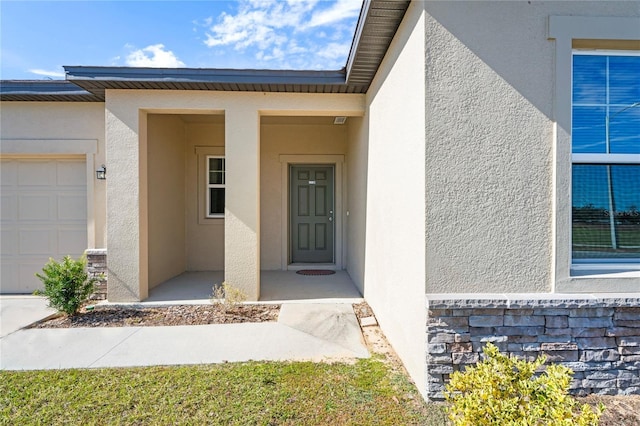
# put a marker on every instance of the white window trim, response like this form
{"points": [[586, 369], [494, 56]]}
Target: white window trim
{"points": [[564, 29], [208, 186], [606, 266]]}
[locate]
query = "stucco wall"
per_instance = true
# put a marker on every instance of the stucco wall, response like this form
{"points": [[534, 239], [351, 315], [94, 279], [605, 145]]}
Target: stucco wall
{"points": [[276, 139], [126, 139], [166, 192], [64, 121], [490, 143], [205, 236], [394, 273], [357, 160]]}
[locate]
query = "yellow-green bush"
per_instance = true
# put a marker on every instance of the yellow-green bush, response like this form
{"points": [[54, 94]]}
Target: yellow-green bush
{"points": [[503, 390]]}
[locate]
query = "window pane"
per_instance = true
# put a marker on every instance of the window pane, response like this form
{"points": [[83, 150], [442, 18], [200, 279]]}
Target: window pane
{"points": [[216, 164], [216, 171], [624, 130], [216, 178], [599, 190], [589, 79], [588, 133], [624, 80], [216, 201]]}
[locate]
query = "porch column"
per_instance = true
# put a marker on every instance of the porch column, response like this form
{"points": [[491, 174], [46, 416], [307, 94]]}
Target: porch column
{"points": [[242, 200], [126, 147]]}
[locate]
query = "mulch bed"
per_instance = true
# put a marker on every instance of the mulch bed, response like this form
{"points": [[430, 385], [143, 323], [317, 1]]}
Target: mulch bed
{"points": [[108, 316], [159, 316]]}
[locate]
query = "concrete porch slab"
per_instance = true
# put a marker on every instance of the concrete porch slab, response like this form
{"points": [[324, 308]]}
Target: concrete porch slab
{"points": [[288, 286], [275, 287], [188, 288]]}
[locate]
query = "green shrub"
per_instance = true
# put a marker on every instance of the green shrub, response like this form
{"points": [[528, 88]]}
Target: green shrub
{"points": [[503, 390], [66, 284]]}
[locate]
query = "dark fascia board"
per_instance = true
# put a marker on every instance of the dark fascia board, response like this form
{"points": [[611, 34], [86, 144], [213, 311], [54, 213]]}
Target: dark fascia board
{"points": [[44, 90], [366, 4], [203, 75], [97, 79]]}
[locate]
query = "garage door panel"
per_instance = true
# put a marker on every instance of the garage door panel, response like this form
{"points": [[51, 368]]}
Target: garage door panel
{"points": [[9, 242], [71, 174], [36, 173], [27, 274], [71, 242], [37, 206], [44, 214], [9, 208], [72, 207], [9, 173], [37, 241], [9, 277]]}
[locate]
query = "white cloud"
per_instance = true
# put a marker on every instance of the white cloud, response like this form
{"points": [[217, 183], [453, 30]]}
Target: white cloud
{"points": [[46, 73], [154, 56], [341, 10], [335, 50], [280, 33]]}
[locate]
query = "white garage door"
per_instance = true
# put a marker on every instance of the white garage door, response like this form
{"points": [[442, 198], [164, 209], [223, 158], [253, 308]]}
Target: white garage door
{"points": [[44, 214]]}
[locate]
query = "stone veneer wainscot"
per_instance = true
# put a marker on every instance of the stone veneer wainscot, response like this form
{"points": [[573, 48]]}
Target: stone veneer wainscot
{"points": [[97, 267], [597, 337]]}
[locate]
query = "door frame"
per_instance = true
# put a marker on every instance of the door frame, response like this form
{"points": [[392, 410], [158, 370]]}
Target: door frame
{"points": [[340, 191]]}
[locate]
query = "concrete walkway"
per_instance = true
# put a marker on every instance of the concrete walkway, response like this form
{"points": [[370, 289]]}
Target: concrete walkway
{"points": [[17, 312], [303, 332]]}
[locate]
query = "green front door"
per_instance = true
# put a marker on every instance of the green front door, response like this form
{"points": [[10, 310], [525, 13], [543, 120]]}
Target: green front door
{"points": [[312, 214]]}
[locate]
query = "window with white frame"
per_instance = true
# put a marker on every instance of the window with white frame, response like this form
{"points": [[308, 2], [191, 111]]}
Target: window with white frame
{"points": [[606, 159], [215, 186]]}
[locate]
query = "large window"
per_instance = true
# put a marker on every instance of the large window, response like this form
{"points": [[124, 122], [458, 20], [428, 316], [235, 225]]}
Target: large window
{"points": [[215, 186], [606, 158]]}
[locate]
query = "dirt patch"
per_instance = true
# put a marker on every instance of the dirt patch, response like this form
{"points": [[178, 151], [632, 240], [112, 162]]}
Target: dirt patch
{"points": [[160, 316], [620, 410]]}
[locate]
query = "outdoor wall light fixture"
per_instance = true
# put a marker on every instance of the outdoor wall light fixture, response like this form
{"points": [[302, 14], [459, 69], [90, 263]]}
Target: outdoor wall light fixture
{"points": [[101, 173]]}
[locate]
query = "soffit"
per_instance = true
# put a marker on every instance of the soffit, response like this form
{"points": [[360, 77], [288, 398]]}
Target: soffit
{"points": [[98, 79], [377, 25]]}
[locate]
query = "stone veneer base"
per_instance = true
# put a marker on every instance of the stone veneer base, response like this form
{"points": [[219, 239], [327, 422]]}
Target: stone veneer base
{"points": [[97, 267], [597, 336]]}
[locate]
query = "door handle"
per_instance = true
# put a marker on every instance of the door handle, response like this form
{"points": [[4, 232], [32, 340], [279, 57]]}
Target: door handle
{"points": [[330, 219]]}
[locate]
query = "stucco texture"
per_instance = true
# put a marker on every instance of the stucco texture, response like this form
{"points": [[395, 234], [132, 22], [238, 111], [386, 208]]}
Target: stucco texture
{"points": [[490, 143], [394, 268]]}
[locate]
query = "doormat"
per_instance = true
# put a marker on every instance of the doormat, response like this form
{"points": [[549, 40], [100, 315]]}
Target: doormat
{"points": [[315, 272]]}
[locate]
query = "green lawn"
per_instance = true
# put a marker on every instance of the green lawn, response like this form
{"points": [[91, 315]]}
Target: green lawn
{"points": [[273, 393], [599, 236]]}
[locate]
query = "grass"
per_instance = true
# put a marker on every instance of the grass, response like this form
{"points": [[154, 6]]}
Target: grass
{"points": [[368, 392], [600, 236]]}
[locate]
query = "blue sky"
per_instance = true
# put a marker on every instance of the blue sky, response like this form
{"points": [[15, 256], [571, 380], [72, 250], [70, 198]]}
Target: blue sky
{"points": [[38, 37]]}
